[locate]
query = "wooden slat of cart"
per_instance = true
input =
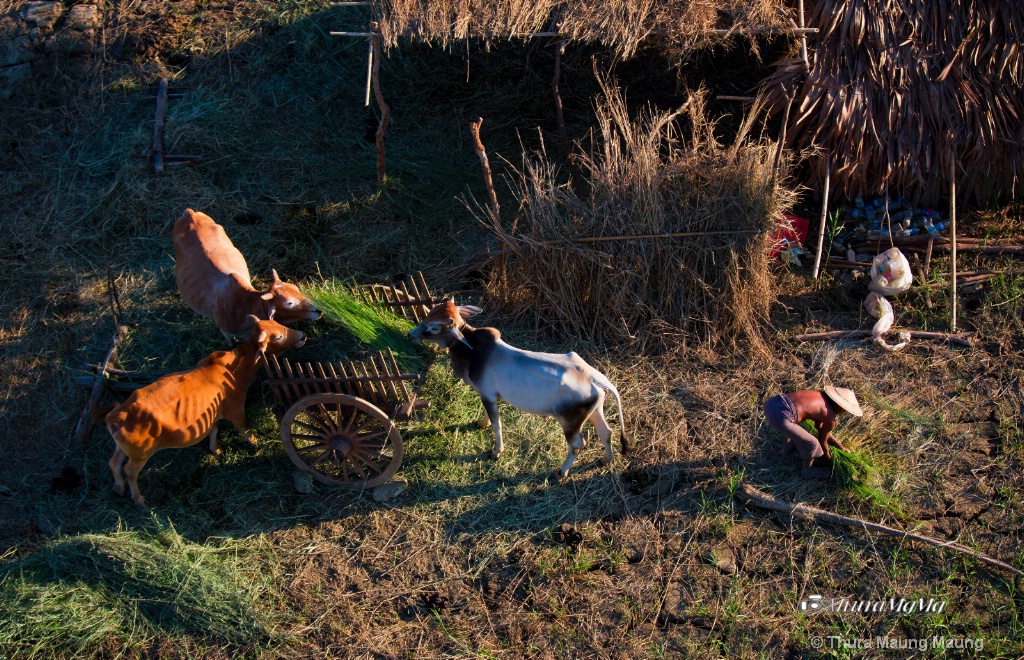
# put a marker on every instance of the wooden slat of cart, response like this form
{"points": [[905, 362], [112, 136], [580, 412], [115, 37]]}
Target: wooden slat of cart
{"points": [[388, 386], [273, 370], [401, 383], [333, 385], [425, 289], [294, 394], [360, 384], [372, 384], [297, 371], [412, 308], [348, 386]]}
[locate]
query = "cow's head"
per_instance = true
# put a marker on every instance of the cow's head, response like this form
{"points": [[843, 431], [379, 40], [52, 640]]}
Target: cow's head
{"points": [[287, 304], [442, 325], [272, 337]]}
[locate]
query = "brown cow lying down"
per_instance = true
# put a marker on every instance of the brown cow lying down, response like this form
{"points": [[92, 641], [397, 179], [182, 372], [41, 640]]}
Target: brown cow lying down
{"points": [[181, 409], [214, 280]]}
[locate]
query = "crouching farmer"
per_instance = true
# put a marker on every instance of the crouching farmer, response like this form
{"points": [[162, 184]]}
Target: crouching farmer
{"points": [[784, 413]]}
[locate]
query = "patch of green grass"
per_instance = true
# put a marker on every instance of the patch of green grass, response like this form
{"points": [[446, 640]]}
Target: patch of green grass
{"points": [[92, 595]]}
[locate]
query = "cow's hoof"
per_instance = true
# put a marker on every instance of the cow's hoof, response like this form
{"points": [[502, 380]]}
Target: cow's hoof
{"points": [[216, 452], [483, 423], [141, 502], [117, 489], [494, 454], [605, 461], [556, 476]]}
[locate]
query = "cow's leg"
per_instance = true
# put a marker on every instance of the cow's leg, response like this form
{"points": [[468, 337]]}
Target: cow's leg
{"points": [[236, 415], [603, 430], [571, 421], [214, 447], [116, 461], [491, 411], [131, 473], [484, 421]]}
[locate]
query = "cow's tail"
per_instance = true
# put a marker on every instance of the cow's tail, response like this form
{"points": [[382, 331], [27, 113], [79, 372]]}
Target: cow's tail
{"points": [[607, 384]]}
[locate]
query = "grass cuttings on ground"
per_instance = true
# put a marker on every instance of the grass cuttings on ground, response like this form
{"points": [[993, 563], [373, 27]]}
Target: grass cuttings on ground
{"points": [[79, 595], [373, 327]]}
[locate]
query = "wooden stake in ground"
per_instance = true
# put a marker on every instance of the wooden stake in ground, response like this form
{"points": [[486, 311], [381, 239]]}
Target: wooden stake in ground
{"points": [[751, 496], [385, 111], [99, 387], [158, 126], [952, 243], [492, 196], [824, 216]]}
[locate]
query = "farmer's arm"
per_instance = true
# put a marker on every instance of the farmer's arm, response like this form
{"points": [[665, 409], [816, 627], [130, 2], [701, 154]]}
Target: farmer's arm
{"points": [[825, 428]]}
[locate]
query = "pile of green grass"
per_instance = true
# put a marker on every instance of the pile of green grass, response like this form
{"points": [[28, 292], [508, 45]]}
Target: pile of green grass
{"points": [[373, 327], [854, 471], [100, 594]]}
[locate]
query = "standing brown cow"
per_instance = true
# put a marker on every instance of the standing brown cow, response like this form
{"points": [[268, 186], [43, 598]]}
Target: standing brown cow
{"points": [[214, 280], [181, 409]]}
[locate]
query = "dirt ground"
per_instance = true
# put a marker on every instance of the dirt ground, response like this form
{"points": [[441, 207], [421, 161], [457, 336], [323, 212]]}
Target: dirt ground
{"points": [[651, 556]]}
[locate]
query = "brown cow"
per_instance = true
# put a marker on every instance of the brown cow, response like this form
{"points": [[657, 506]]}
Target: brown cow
{"points": [[214, 280], [181, 409]]}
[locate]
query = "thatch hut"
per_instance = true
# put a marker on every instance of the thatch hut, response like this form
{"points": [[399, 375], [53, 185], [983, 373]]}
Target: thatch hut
{"points": [[899, 92]]}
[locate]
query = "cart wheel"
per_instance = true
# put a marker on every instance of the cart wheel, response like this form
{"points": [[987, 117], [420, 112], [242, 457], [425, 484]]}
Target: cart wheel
{"points": [[342, 440]]}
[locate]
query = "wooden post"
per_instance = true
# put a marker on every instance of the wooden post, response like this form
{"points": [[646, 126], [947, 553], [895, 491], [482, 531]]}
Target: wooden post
{"points": [[824, 216], [952, 243], [158, 126], [492, 197], [385, 111], [782, 138]]}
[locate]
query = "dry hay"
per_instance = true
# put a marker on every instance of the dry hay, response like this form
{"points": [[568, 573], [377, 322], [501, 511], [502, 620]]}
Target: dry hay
{"points": [[899, 89], [646, 294], [619, 25]]}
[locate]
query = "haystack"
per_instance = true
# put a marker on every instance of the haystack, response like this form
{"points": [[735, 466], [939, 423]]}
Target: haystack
{"points": [[587, 265], [899, 90], [619, 25]]}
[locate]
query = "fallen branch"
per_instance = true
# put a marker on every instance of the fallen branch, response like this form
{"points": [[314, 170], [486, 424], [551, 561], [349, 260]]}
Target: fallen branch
{"points": [[89, 382], [960, 339], [138, 376], [750, 496]]}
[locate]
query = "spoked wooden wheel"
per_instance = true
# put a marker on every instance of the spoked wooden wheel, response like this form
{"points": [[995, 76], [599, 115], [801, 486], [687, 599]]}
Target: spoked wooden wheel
{"points": [[342, 440]]}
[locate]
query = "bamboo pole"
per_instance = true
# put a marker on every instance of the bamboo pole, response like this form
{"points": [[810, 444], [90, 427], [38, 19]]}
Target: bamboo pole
{"points": [[952, 243], [803, 38], [751, 496], [657, 33], [634, 237], [959, 339], [824, 216]]}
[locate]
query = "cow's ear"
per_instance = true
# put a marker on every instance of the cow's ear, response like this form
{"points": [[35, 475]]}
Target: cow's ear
{"points": [[269, 295], [263, 337], [252, 319], [273, 275], [466, 311]]}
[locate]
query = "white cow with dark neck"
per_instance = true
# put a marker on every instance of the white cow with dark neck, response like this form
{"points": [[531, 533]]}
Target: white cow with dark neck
{"points": [[556, 385]]}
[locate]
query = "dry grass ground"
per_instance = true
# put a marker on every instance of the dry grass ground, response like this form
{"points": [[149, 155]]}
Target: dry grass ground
{"points": [[478, 558]]}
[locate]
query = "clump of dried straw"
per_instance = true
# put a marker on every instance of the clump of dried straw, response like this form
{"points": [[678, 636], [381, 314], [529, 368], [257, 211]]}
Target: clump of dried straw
{"points": [[619, 25], [647, 294]]}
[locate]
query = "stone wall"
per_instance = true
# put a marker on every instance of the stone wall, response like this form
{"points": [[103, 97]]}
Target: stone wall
{"points": [[39, 34]]}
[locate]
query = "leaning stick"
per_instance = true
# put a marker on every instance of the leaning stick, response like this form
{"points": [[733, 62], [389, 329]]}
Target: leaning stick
{"points": [[385, 111], [824, 216], [751, 496], [960, 339], [492, 196], [99, 386]]}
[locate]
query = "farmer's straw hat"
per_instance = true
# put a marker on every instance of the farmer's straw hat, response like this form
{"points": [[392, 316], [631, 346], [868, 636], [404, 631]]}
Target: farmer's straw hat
{"points": [[845, 399]]}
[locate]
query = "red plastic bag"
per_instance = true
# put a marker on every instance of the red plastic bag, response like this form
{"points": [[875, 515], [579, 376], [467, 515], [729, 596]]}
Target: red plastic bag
{"points": [[783, 233]]}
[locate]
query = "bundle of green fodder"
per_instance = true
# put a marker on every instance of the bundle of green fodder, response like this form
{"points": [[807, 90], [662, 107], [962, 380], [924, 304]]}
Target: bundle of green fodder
{"points": [[642, 178], [372, 327], [619, 25], [900, 91]]}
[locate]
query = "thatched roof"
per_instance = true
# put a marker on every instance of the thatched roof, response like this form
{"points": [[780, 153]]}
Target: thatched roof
{"points": [[617, 24], [899, 88]]}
